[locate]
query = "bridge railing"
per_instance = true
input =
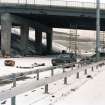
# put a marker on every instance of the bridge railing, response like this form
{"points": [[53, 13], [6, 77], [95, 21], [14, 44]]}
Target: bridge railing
{"points": [[63, 3]]}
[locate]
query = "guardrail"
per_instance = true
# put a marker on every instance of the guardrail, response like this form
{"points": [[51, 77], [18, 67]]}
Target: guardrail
{"points": [[36, 71], [63, 3], [16, 90]]}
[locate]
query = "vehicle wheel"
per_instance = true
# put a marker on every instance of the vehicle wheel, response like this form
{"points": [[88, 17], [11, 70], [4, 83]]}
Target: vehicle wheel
{"points": [[54, 64], [73, 65]]}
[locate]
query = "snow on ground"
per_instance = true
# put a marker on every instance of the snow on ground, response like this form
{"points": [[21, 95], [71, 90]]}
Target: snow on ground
{"points": [[83, 91], [91, 93], [23, 62]]}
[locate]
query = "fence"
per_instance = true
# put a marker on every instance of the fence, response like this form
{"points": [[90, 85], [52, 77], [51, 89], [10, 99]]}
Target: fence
{"points": [[63, 3], [16, 90]]}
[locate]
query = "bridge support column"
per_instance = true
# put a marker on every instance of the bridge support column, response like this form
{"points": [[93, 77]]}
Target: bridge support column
{"points": [[49, 40], [24, 37], [6, 25], [38, 40]]}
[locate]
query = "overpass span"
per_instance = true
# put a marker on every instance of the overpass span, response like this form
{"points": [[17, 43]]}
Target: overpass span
{"points": [[82, 14], [43, 17]]}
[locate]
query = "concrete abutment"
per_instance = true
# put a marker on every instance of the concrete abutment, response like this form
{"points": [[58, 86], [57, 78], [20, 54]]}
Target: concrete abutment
{"points": [[6, 26]]}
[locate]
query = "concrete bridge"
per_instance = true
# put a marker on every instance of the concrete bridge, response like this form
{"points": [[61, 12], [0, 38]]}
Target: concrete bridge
{"points": [[43, 17]]}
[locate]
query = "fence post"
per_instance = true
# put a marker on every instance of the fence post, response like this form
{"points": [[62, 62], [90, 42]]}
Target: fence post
{"points": [[50, 3], [66, 3], [92, 69], [26, 2], [37, 72], [77, 75], [85, 71], [34, 2], [13, 99], [46, 87], [65, 80]]}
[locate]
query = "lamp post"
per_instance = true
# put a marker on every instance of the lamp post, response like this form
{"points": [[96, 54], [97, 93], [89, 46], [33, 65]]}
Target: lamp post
{"points": [[97, 29]]}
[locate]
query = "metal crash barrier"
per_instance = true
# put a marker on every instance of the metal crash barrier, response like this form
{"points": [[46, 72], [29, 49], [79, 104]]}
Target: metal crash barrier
{"points": [[16, 90]]}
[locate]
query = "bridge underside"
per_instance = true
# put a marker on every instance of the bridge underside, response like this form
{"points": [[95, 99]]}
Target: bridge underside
{"points": [[83, 23]]}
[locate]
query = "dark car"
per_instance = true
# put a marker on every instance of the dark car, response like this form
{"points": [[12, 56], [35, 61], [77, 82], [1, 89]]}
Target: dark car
{"points": [[63, 58]]}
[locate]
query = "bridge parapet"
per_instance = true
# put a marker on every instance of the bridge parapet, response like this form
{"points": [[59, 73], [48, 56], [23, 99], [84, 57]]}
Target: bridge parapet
{"points": [[62, 3]]}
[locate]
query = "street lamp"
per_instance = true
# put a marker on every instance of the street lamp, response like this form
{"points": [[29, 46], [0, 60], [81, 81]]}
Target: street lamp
{"points": [[97, 29]]}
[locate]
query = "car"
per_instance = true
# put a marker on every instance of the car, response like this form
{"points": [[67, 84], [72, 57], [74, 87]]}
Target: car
{"points": [[9, 63], [63, 58]]}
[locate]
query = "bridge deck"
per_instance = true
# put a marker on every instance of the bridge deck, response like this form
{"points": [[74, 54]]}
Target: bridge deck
{"points": [[58, 16]]}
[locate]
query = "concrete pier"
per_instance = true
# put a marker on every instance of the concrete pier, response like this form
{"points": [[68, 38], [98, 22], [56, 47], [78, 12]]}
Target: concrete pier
{"points": [[38, 40], [6, 25], [49, 40], [24, 37]]}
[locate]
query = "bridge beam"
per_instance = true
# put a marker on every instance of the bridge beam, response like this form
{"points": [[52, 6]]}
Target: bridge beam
{"points": [[49, 40], [6, 26], [24, 37]]}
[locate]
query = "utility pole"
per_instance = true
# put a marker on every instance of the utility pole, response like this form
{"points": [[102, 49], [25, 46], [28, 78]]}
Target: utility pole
{"points": [[97, 29]]}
